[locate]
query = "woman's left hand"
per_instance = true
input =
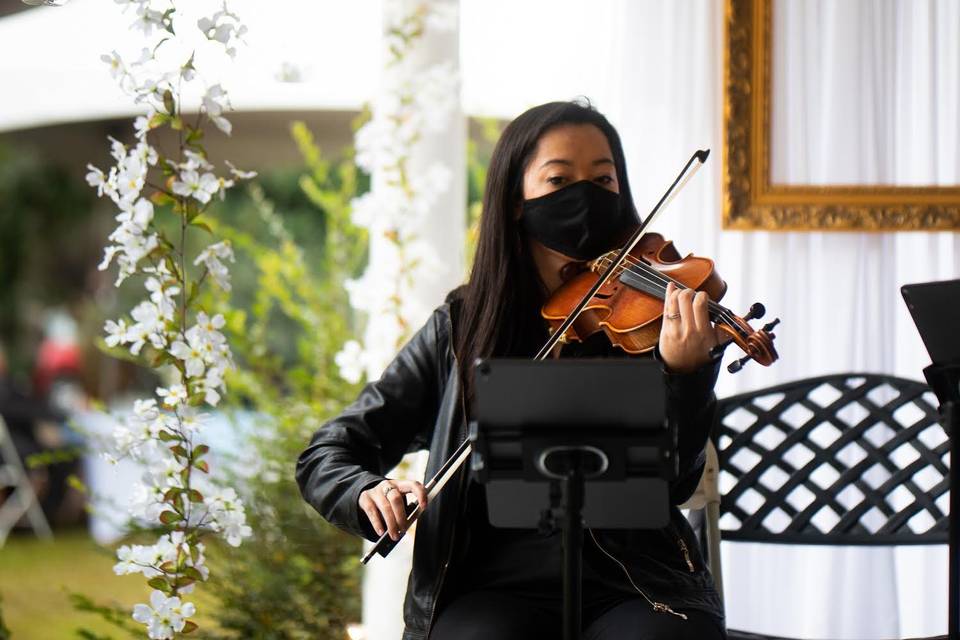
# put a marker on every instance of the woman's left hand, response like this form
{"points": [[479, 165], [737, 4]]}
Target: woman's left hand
{"points": [[687, 335]]}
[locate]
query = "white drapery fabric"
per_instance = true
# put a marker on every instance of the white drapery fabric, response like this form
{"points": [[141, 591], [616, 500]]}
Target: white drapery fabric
{"points": [[655, 68], [838, 294]]}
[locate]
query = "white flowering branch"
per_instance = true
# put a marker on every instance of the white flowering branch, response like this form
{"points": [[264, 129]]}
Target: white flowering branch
{"points": [[415, 99], [168, 328]]}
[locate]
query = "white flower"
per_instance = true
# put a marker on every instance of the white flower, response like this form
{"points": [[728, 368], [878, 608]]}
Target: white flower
{"points": [[146, 153], [140, 214], [163, 616], [211, 258], [235, 530], [116, 64], [193, 184], [146, 503], [211, 326], [214, 103], [190, 420], [228, 515], [108, 253], [147, 19], [163, 291], [149, 327], [209, 386], [191, 352], [350, 360], [116, 332], [146, 410], [240, 174], [95, 178], [195, 161], [117, 149], [131, 177], [173, 396]]}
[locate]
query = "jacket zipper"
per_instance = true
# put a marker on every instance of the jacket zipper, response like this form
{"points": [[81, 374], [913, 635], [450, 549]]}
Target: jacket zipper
{"points": [[659, 607], [686, 553]]}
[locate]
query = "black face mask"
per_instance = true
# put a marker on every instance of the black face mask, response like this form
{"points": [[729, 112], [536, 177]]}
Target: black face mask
{"points": [[581, 221]]}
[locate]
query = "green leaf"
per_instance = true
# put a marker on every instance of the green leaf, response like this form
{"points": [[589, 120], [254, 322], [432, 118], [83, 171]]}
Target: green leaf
{"points": [[189, 626], [193, 573], [200, 450], [202, 225], [168, 102], [194, 136], [166, 436], [194, 291], [180, 452], [160, 198], [159, 583], [158, 120], [203, 466], [76, 484], [182, 581], [169, 517], [195, 496]]}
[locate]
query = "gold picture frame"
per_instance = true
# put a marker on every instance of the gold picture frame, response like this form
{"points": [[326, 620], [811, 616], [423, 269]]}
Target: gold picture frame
{"points": [[752, 202]]}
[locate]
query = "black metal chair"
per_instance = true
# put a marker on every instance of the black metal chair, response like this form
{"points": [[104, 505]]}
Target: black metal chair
{"points": [[849, 459]]}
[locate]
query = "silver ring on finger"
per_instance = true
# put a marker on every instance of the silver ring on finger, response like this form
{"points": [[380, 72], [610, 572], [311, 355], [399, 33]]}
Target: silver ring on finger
{"points": [[387, 489], [673, 316]]}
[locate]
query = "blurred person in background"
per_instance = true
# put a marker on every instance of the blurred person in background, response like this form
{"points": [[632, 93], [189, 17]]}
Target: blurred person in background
{"points": [[38, 427]]}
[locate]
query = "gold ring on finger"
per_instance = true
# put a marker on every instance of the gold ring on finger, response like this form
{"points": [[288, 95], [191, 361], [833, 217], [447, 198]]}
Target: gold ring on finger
{"points": [[673, 316]]}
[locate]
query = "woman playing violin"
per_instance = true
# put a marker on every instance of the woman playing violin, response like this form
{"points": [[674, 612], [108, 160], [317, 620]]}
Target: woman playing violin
{"points": [[556, 196]]}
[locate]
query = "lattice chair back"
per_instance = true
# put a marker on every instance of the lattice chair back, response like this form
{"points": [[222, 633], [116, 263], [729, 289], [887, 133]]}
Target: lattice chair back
{"points": [[840, 459]]}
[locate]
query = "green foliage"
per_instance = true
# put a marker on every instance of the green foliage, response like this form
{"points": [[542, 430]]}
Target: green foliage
{"points": [[298, 577], [115, 615], [40, 204], [288, 316], [4, 632], [479, 149]]}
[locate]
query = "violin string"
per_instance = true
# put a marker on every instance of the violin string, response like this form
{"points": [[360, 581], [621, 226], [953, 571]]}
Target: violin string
{"points": [[658, 280], [656, 277]]}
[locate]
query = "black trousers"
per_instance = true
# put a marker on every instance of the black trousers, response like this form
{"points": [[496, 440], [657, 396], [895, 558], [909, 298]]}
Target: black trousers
{"points": [[483, 615]]}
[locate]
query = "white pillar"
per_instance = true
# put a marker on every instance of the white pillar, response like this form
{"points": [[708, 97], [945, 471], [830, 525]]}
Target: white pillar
{"points": [[442, 232]]}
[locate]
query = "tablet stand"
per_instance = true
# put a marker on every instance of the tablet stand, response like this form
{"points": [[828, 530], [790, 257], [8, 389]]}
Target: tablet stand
{"points": [[564, 440], [945, 381]]}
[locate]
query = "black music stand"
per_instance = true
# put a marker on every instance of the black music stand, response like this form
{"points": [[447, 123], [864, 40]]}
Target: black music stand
{"points": [[935, 307], [568, 440]]}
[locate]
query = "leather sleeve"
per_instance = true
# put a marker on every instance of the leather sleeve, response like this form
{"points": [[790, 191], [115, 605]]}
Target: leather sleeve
{"points": [[354, 450], [692, 406]]}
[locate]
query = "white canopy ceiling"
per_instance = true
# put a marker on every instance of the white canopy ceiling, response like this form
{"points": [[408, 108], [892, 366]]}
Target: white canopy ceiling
{"points": [[513, 55]]}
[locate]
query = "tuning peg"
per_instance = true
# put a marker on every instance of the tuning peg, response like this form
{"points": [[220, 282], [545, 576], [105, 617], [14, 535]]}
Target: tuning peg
{"points": [[770, 325], [756, 311], [736, 365], [718, 349]]}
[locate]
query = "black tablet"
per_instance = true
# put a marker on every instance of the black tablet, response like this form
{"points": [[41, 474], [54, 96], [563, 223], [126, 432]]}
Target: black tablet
{"points": [[935, 307]]}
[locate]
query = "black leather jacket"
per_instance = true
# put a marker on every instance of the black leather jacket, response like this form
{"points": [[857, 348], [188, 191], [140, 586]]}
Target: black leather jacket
{"points": [[417, 404]]}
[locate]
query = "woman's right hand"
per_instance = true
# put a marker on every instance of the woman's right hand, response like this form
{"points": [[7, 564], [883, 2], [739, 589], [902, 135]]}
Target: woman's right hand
{"points": [[385, 505]]}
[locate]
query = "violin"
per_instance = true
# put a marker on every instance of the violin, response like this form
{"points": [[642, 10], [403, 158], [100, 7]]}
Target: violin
{"points": [[622, 293], [628, 306]]}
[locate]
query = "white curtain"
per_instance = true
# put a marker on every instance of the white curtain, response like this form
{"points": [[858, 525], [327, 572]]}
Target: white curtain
{"points": [[837, 294]]}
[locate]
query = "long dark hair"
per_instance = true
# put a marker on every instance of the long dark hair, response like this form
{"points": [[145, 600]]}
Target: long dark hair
{"points": [[500, 311]]}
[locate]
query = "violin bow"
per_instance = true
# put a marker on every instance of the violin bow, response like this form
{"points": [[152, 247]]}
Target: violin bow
{"points": [[447, 470]]}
